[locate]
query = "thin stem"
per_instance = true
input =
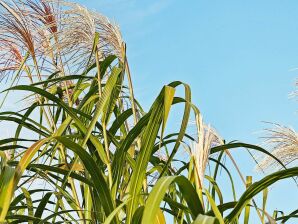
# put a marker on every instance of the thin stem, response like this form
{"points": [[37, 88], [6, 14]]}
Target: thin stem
{"points": [[131, 93], [243, 180], [61, 68], [98, 72], [51, 120]]}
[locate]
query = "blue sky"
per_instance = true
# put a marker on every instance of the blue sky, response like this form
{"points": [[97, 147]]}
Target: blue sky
{"points": [[239, 57]]}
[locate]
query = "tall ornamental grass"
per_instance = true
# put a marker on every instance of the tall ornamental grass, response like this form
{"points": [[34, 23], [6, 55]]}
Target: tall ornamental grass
{"points": [[84, 150]]}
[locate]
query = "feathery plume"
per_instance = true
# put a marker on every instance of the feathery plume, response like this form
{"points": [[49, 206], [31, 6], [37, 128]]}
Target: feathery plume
{"points": [[45, 19], [78, 30], [59, 32], [283, 143], [208, 138], [16, 27], [43, 11], [10, 58], [294, 93]]}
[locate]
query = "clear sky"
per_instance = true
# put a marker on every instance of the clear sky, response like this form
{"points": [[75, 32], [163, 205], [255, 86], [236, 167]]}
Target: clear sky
{"points": [[239, 57]]}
